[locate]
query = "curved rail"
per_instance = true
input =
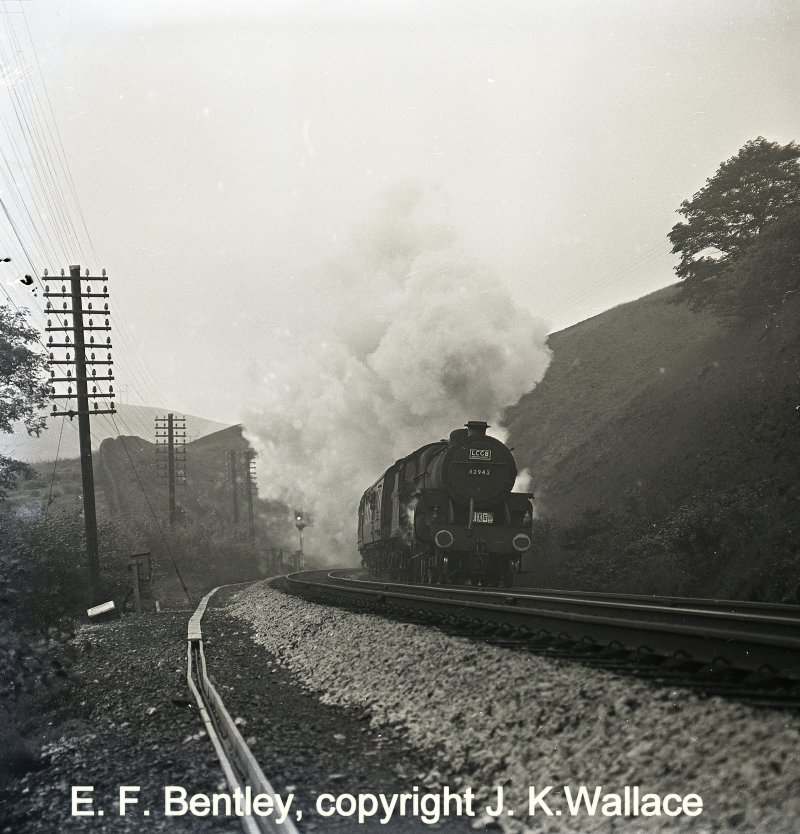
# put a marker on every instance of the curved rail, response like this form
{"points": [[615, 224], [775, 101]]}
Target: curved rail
{"points": [[238, 763], [748, 636], [350, 575]]}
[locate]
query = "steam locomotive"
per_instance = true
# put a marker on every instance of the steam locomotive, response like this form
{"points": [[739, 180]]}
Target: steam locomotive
{"points": [[447, 514]]}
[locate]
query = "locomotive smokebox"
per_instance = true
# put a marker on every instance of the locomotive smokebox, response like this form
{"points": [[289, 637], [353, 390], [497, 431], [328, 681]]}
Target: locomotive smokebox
{"points": [[476, 428]]}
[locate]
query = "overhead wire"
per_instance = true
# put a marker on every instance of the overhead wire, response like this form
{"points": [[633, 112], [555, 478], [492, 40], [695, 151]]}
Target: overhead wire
{"points": [[611, 277], [55, 234], [30, 124], [49, 197], [53, 476], [146, 497], [157, 523], [141, 370]]}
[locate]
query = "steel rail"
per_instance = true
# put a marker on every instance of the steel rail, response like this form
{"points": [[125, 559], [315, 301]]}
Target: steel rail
{"points": [[348, 576], [749, 639], [239, 766]]}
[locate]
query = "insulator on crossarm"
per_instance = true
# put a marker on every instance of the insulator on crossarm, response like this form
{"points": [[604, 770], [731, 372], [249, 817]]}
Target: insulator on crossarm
{"points": [[46, 273], [69, 355], [86, 273], [62, 273], [104, 273], [69, 372], [92, 358], [49, 323], [63, 288], [94, 389], [89, 306], [110, 389], [105, 289], [91, 340], [66, 338]]}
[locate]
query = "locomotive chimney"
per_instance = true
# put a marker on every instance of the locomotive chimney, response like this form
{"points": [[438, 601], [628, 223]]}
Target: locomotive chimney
{"points": [[476, 428]]}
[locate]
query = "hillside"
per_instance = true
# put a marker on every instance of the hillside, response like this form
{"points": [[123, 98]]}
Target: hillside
{"points": [[206, 497], [128, 486], [657, 411], [656, 398], [130, 419]]}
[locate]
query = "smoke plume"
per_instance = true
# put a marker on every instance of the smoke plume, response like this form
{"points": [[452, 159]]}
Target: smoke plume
{"points": [[404, 339]]}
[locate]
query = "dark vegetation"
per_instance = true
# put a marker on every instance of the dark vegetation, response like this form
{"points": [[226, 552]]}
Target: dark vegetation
{"points": [[664, 441], [738, 543], [42, 594], [42, 529], [43, 572], [22, 391]]}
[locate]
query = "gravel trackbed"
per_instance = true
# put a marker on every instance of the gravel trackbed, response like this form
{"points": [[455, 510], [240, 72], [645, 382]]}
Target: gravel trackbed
{"points": [[488, 717]]}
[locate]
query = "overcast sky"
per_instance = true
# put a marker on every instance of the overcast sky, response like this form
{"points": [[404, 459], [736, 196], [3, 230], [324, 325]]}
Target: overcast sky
{"points": [[225, 157]]}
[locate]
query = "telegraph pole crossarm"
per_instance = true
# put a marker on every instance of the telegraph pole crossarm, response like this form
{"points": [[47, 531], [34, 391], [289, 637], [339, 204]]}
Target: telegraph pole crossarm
{"points": [[81, 380], [170, 438]]}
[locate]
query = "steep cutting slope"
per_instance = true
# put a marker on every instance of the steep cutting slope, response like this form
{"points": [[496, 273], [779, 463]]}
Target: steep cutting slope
{"points": [[658, 400], [206, 494]]}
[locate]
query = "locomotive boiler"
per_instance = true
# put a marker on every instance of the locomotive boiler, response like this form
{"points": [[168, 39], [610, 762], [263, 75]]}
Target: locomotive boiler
{"points": [[446, 513]]}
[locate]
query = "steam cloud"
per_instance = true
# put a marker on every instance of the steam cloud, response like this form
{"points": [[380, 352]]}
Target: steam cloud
{"points": [[403, 340]]}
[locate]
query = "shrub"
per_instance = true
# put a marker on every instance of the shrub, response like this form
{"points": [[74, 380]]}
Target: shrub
{"points": [[43, 566], [734, 543]]}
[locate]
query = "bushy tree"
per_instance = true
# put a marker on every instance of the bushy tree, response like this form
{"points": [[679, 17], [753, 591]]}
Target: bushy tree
{"points": [[748, 195], [23, 392]]}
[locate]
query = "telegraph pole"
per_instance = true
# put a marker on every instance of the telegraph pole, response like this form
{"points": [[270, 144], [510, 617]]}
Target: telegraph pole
{"points": [[234, 488], [171, 467], [171, 440], [250, 484], [78, 328]]}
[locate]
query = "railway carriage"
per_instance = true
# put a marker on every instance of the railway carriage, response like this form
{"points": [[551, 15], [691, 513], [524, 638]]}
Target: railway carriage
{"points": [[446, 513]]}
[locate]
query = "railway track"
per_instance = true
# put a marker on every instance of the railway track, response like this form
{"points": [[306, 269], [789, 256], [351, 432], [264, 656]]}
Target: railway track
{"points": [[242, 772], [742, 649]]}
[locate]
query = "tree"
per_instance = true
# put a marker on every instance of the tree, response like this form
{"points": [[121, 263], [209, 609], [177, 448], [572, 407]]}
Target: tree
{"points": [[749, 193], [23, 392]]}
